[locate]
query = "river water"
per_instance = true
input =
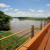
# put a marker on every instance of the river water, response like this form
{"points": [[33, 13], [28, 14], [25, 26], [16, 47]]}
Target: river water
{"points": [[18, 25]]}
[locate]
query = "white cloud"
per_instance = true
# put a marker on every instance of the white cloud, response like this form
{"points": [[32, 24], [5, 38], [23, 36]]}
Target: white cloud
{"points": [[40, 15], [16, 10], [5, 9], [27, 14], [31, 10], [48, 5], [11, 14], [40, 11], [3, 5]]}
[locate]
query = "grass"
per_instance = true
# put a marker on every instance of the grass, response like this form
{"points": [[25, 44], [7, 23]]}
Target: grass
{"points": [[37, 28], [4, 42]]}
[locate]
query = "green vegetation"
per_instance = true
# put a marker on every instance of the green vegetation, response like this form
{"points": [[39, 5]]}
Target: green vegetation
{"points": [[4, 42], [4, 21], [30, 18], [37, 28]]}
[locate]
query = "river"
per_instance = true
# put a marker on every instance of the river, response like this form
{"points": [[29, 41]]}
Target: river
{"points": [[18, 25]]}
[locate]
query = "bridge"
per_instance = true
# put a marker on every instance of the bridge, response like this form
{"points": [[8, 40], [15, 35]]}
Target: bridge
{"points": [[39, 41]]}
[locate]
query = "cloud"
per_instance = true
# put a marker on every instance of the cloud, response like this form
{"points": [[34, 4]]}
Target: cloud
{"points": [[26, 14], [30, 13], [16, 10], [31, 10], [20, 12], [48, 5], [3, 5], [7, 9], [11, 14], [40, 11]]}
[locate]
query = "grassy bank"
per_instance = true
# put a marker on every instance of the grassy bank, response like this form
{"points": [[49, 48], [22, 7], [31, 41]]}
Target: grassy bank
{"points": [[4, 42], [37, 28]]}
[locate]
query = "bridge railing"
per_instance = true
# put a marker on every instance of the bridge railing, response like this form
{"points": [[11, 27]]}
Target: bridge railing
{"points": [[32, 34], [39, 41]]}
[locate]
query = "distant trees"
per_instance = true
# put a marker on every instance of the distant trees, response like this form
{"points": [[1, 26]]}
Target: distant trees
{"points": [[31, 18], [4, 21]]}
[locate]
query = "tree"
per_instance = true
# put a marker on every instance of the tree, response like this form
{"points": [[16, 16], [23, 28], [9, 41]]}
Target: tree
{"points": [[4, 21]]}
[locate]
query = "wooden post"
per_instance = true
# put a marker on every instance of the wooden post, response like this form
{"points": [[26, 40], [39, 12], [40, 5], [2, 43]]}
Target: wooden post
{"points": [[32, 31], [44, 23], [41, 25], [0, 44]]}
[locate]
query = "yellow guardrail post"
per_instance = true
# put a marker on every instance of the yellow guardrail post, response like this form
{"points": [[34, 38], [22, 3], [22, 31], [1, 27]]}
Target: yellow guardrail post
{"points": [[32, 31]]}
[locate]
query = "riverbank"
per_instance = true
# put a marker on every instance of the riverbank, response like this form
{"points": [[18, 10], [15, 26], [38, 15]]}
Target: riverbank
{"points": [[30, 18]]}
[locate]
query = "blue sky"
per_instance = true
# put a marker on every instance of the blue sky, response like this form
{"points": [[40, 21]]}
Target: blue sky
{"points": [[26, 8]]}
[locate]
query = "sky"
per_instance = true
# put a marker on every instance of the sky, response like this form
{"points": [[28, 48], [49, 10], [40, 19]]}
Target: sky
{"points": [[26, 8]]}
